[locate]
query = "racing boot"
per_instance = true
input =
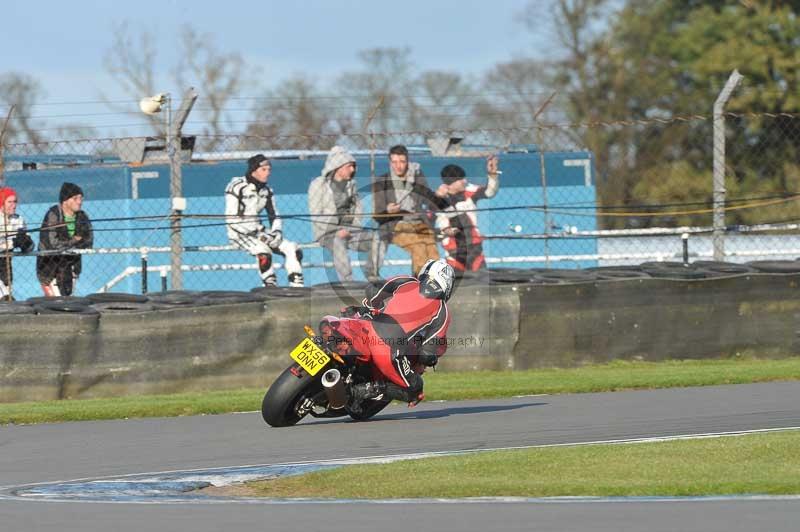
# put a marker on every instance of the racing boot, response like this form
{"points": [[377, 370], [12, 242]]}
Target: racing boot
{"points": [[368, 390], [296, 280]]}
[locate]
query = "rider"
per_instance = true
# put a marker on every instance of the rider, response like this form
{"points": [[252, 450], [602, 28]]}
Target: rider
{"points": [[404, 324]]}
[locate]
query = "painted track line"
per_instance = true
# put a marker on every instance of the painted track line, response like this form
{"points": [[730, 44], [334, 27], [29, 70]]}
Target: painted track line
{"points": [[179, 486]]}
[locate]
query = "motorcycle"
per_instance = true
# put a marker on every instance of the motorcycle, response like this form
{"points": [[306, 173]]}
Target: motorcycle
{"points": [[317, 381]]}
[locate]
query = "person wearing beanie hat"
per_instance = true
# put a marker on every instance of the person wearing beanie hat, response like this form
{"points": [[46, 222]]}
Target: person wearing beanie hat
{"points": [[13, 235], [461, 238], [336, 210], [246, 197], [402, 202], [65, 226], [69, 190]]}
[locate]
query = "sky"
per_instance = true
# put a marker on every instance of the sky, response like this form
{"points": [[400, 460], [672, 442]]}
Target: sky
{"points": [[62, 44]]}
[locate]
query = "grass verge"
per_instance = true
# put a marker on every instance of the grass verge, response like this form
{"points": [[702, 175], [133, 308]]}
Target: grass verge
{"points": [[749, 464], [618, 375]]}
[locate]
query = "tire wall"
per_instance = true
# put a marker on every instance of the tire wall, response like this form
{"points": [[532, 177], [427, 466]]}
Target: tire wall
{"points": [[505, 326]]}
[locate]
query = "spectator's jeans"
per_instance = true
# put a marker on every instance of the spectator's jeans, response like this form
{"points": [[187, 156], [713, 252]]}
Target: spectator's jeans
{"points": [[359, 240], [419, 240]]}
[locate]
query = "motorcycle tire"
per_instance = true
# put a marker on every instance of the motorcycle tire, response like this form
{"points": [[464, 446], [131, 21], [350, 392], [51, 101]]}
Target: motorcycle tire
{"points": [[370, 412], [278, 406]]}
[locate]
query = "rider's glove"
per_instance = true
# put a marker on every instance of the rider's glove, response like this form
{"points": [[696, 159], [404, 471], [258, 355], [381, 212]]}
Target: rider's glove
{"points": [[355, 311], [23, 241], [273, 238]]}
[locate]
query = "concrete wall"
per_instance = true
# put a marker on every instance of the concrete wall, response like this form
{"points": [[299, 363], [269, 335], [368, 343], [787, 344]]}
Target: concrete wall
{"points": [[516, 326]]}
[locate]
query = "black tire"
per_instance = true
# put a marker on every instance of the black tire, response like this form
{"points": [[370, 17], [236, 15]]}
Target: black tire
{"points": [[278, 292], [511, 275], [371, 411], [775, 266], [723, 267], [15, 308], [228, 297], [60, 299], [678, 272], [63, 307], [176, 298], [666, 264], [618, 273], [278, 406], [570, 276], [116, 297], [123, 306]]}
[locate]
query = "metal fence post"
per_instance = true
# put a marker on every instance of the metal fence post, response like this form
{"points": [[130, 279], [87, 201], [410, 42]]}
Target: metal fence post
{"points": [[718, 236], [174, 128], [2, 146], [548, 224]]}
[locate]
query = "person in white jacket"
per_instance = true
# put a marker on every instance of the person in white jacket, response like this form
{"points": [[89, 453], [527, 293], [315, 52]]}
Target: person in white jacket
{"points": [[462, 241], [245, 198], [336, 210], [14, 236]]}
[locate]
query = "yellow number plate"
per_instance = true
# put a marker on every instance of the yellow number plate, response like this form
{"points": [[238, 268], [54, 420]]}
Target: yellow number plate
{"points": [[310, 357]]}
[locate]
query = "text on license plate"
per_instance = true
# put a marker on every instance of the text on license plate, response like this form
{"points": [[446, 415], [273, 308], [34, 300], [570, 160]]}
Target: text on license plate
{"points": [[310, 357]]}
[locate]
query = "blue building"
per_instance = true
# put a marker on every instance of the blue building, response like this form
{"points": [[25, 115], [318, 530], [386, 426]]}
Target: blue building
{"points": [[130, 204]]}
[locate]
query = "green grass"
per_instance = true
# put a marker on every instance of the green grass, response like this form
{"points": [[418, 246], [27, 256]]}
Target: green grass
{"points": [[750, 464], [442, 385]]}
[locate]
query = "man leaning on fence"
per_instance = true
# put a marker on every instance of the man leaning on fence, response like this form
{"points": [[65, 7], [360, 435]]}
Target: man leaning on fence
{"points": [[65, 226], [14, 236], [245, 198], [402, 198], [335, 207]]}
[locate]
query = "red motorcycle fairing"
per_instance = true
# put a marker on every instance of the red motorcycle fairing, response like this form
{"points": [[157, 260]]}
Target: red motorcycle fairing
{"points": [[353, 336], [348, 336]]}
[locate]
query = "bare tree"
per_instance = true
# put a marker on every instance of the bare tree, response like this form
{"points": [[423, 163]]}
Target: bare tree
{"points": [[385, 77], [22, 91], [131, 62], [513, 94], [218, 75], [441, 100], [294, 115]]}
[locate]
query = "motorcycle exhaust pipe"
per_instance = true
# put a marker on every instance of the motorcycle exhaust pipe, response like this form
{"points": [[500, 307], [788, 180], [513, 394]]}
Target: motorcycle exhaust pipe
{"points": [[334, 389]]}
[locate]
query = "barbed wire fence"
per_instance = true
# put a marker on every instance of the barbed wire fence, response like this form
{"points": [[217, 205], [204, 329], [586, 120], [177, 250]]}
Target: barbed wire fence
{"points": [[572, 195]]}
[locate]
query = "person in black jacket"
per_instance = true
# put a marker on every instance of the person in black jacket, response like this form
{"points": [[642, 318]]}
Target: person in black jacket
{"points": [[65, 226], [403, 205]]}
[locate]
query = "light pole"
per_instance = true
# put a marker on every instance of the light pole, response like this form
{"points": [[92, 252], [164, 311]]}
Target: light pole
{"points": [[150, 106]]}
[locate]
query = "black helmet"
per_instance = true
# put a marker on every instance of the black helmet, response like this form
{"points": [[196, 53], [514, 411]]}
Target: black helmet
{"points": [[436, 280]]}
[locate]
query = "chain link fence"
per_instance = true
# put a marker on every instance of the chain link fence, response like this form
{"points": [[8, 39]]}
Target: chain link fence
{"points": [[570, 196]]}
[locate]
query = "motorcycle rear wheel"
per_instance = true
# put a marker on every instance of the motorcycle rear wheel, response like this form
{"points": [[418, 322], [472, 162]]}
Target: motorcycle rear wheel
{"points": [[279, 407]]}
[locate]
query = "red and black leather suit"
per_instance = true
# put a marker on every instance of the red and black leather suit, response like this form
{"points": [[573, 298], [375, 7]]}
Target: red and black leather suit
{"points": [[396, 328]]}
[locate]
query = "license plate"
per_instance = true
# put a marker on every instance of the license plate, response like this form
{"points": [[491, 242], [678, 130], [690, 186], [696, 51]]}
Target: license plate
{"points": [[310, 357]]}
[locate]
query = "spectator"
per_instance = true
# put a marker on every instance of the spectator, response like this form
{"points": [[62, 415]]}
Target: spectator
{"points": [[245, 198], [462, 239], [65, 226], [401, 199], [14, 236], [335, 207]]}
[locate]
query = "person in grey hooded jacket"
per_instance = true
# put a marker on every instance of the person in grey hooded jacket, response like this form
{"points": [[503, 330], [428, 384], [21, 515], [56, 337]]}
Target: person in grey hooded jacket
{"points": [[336, 211]]}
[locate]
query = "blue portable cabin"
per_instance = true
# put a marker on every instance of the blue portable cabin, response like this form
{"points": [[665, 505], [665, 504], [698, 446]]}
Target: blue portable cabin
{"points": [[118, 195]]}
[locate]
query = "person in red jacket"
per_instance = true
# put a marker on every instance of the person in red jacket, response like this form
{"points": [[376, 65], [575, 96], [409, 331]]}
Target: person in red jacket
{"points": [[403, 328]]}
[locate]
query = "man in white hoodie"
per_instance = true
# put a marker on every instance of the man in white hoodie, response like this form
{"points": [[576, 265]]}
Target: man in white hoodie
{"points": [[336, 211]]}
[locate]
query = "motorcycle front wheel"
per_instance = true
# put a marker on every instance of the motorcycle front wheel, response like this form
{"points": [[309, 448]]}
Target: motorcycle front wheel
{"points": [[279, 407]]}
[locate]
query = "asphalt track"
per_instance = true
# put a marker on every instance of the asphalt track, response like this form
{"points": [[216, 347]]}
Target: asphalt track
{"points": [[62, 452]]}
